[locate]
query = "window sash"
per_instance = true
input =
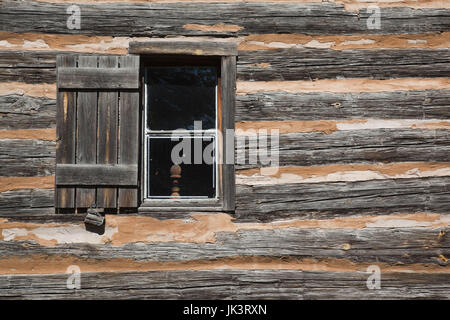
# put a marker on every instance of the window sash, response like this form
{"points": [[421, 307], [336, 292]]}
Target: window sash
{"points": [[148, 133]]}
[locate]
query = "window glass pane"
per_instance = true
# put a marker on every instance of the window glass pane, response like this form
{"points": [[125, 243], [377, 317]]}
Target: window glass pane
{"points": [[197, 180], [178, 96]]}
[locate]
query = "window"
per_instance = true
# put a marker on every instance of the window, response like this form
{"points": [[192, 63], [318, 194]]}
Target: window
{"points": [[149, 131]]}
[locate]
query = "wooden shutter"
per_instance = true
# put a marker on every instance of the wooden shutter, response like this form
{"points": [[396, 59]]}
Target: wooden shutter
{"points": [[97, 131]]}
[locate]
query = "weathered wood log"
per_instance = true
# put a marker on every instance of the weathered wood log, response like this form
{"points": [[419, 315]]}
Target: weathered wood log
{"points": [[161, 19], [378, 145], [410, 247], [26, 201], [27, 157], [310, 64], [279, 106], [266, 65], [334, 199], [24, 112], [226, 284]]}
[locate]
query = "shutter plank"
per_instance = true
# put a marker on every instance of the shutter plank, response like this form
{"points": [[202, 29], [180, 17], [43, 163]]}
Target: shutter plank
{"points": [[129, 133], [86, 132], [107, 133], [65, 132]]}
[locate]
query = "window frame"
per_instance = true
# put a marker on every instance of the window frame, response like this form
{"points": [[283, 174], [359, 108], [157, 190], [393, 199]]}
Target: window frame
{"points": [[223, 54]]}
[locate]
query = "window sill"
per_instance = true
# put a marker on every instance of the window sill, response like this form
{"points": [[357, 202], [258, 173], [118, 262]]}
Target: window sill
{"points": [[212, 205]]}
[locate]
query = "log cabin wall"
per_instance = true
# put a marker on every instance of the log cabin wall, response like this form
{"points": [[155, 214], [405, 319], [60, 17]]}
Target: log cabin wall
{"points": [[364, 119]]}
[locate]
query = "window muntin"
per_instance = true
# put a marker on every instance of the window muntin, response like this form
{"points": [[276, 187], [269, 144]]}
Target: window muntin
{"points": [[181, 97]]}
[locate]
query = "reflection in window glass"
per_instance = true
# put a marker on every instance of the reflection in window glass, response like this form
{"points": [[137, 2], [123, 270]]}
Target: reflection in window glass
{"points": [[178, 96], [197, 180]]}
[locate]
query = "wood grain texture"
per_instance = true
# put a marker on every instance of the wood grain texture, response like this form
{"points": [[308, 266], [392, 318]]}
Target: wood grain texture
{"points": [[86, 133], [327, 200], [96, 174], [129, 115], [66, 132], [378, 145], [273, 106], [98, 78], [25, 112], [269, 65], [200, 48], [226, 284], [310, 64], [19, 157], [108, 121], [161, 19], [228, 83], [413, 249], [27, 201]]}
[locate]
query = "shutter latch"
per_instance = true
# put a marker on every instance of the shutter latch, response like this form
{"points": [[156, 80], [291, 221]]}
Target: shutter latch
{"points": [[94, 216]]}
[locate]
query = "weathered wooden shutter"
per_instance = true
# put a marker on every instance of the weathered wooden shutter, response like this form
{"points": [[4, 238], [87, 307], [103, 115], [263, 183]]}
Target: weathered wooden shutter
{"points": [[97, 131]]}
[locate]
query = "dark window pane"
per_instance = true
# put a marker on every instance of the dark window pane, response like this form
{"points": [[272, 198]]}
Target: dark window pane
{"points": [[197, 180], [178, 96]]}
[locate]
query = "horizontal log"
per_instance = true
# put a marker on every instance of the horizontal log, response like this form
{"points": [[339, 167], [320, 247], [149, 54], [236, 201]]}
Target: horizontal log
{"points": [[226, 284], [378, 145], [24, 112], [162, 19], [309, 64], [278, 106], [261, 65], [333, 199], [28, 75], [98, 78], [96, 175], [203, 48], [33, 248], [19, 157], [27, 201]]}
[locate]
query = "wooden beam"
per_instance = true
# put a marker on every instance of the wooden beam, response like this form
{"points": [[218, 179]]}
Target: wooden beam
{"points": [[98, 78], [197, 48], [96, 175]]}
